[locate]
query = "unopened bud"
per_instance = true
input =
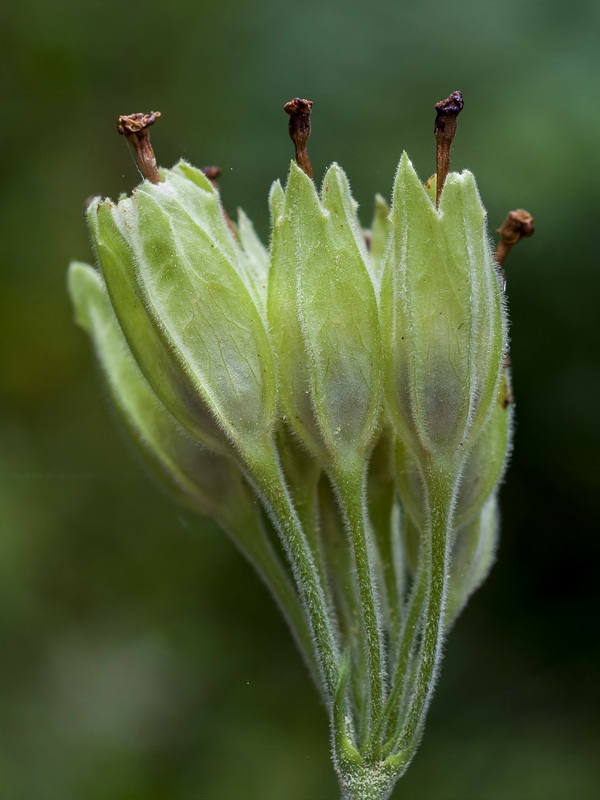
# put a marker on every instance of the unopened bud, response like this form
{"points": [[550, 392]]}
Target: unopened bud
{"points": [[443, 317], [323, 316], [188, 305]]}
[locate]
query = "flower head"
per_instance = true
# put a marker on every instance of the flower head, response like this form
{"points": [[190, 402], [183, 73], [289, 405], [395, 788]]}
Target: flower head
{"points": [[352, 382]]}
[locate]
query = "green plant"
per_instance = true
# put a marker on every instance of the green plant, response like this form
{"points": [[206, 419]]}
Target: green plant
{"points": [[354, 382]]}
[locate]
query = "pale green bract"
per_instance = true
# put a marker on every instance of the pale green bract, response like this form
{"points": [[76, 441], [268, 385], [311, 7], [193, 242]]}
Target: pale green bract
{"points": [[352, 383]]}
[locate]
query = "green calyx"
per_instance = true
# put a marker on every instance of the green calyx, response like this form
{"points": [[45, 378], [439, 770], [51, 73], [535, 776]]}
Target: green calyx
{"points": [[342, 392], [186, 298], [442, 315], [324, 319]]}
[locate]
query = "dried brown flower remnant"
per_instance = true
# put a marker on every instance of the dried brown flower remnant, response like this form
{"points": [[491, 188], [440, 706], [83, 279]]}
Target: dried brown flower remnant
{"points": [[299, 111], [445, 130], [135, 128], [518, 224], [213, 174]]}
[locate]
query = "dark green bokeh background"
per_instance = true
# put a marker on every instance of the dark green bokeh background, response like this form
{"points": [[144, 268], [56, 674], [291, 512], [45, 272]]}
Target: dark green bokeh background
{"points": [[141, 659]]}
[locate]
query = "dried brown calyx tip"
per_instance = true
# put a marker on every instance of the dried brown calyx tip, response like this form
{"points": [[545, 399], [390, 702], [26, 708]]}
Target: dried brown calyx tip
{"points": [[505, 398], [213, 174], [518, 225], [445, 130], [299, 111], [135, 128]]}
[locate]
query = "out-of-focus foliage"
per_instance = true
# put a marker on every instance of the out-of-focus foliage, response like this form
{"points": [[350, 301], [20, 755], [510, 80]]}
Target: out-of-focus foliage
{"points": [[141, 658]]}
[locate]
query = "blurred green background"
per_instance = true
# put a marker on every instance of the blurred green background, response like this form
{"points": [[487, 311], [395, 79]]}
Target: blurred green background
{"points": [[140, 658]]}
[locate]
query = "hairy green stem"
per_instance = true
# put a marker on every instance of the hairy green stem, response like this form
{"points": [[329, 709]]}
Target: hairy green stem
{"points": [[350, 486], [303, 476], [441, 486], [382, 501], [410, 630], [266, 474], [383, 513], [372, 780], [345, 593]]}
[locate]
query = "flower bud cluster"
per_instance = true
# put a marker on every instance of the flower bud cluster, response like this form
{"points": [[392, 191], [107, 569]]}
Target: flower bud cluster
{"points": [[351, 381]]}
